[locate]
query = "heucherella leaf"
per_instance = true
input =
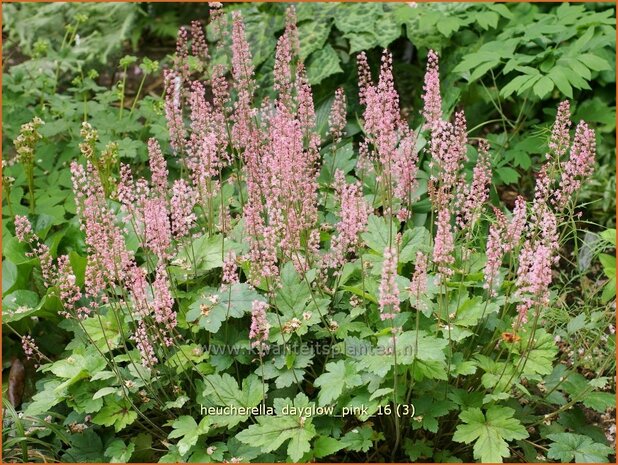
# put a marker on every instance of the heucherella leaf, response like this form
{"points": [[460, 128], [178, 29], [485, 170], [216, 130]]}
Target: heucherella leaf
{"points": [[539, 357], [489, 432], [186, 428], [212, 309], [377, 234], [119, 452], [568, 447], [339, 375], [222, 391], [116, 413], [273, 431]]}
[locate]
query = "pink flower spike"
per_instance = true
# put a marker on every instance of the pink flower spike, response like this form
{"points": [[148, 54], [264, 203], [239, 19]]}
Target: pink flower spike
{"points": [[444, 244], [23, 228], [432, 110], [388, 291], [260, 327]]}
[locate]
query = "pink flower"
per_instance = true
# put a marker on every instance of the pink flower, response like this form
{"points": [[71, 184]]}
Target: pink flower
{"points": [[173, 109], [533, 277], [418, 283], [157, 228], [516, 227], [138, 287], [444, 244], [448, 151], [108, 256], [199, 47], [23, 229], [394, 143], [163, 303], [432, 110], [70, 293], [144, 346], [29, 347], [354, 214], [504, 236], [337, 117], [472, 197], [182, 203], [242, 72], [580, 164], [560, 137], [230, 269], [260, 327], [388, 291], [158, 168]]}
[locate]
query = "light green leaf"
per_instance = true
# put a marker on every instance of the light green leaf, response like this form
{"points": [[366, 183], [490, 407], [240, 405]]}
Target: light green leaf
{"points": [[568, 447], [325, 446], [489, 432], [594, 62], [273, 431], [223, 391], [213, 309], [118, 414], [119, 452], [186, 428], [339, 376], [543, 87]]}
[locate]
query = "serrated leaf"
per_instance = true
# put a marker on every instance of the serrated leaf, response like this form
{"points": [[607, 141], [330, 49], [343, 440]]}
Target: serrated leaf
{"points": [[189, 431], [489, 432], [339, 376], [119, 452], [211, 310], [223, 391], [271, 432], [569, 446], [118, 414]]}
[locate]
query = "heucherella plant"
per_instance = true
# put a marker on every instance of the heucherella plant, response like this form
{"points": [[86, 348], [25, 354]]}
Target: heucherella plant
{"points": [[255, 276]]}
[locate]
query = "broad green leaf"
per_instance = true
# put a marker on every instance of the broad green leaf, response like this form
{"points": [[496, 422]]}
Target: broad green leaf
{"points": [[339, 376], [223, 391], [325, 446], [271, 432], [412, 241], [312, 35], [119, 452], [594, 62], [213, 309], [203, 254], [9, 276], [569, 446], [189, 431], [322, 64], [543, 87], [557, 74], [116, 413], [507, 175], [357, 17], [489, 432], [377, 234]]}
